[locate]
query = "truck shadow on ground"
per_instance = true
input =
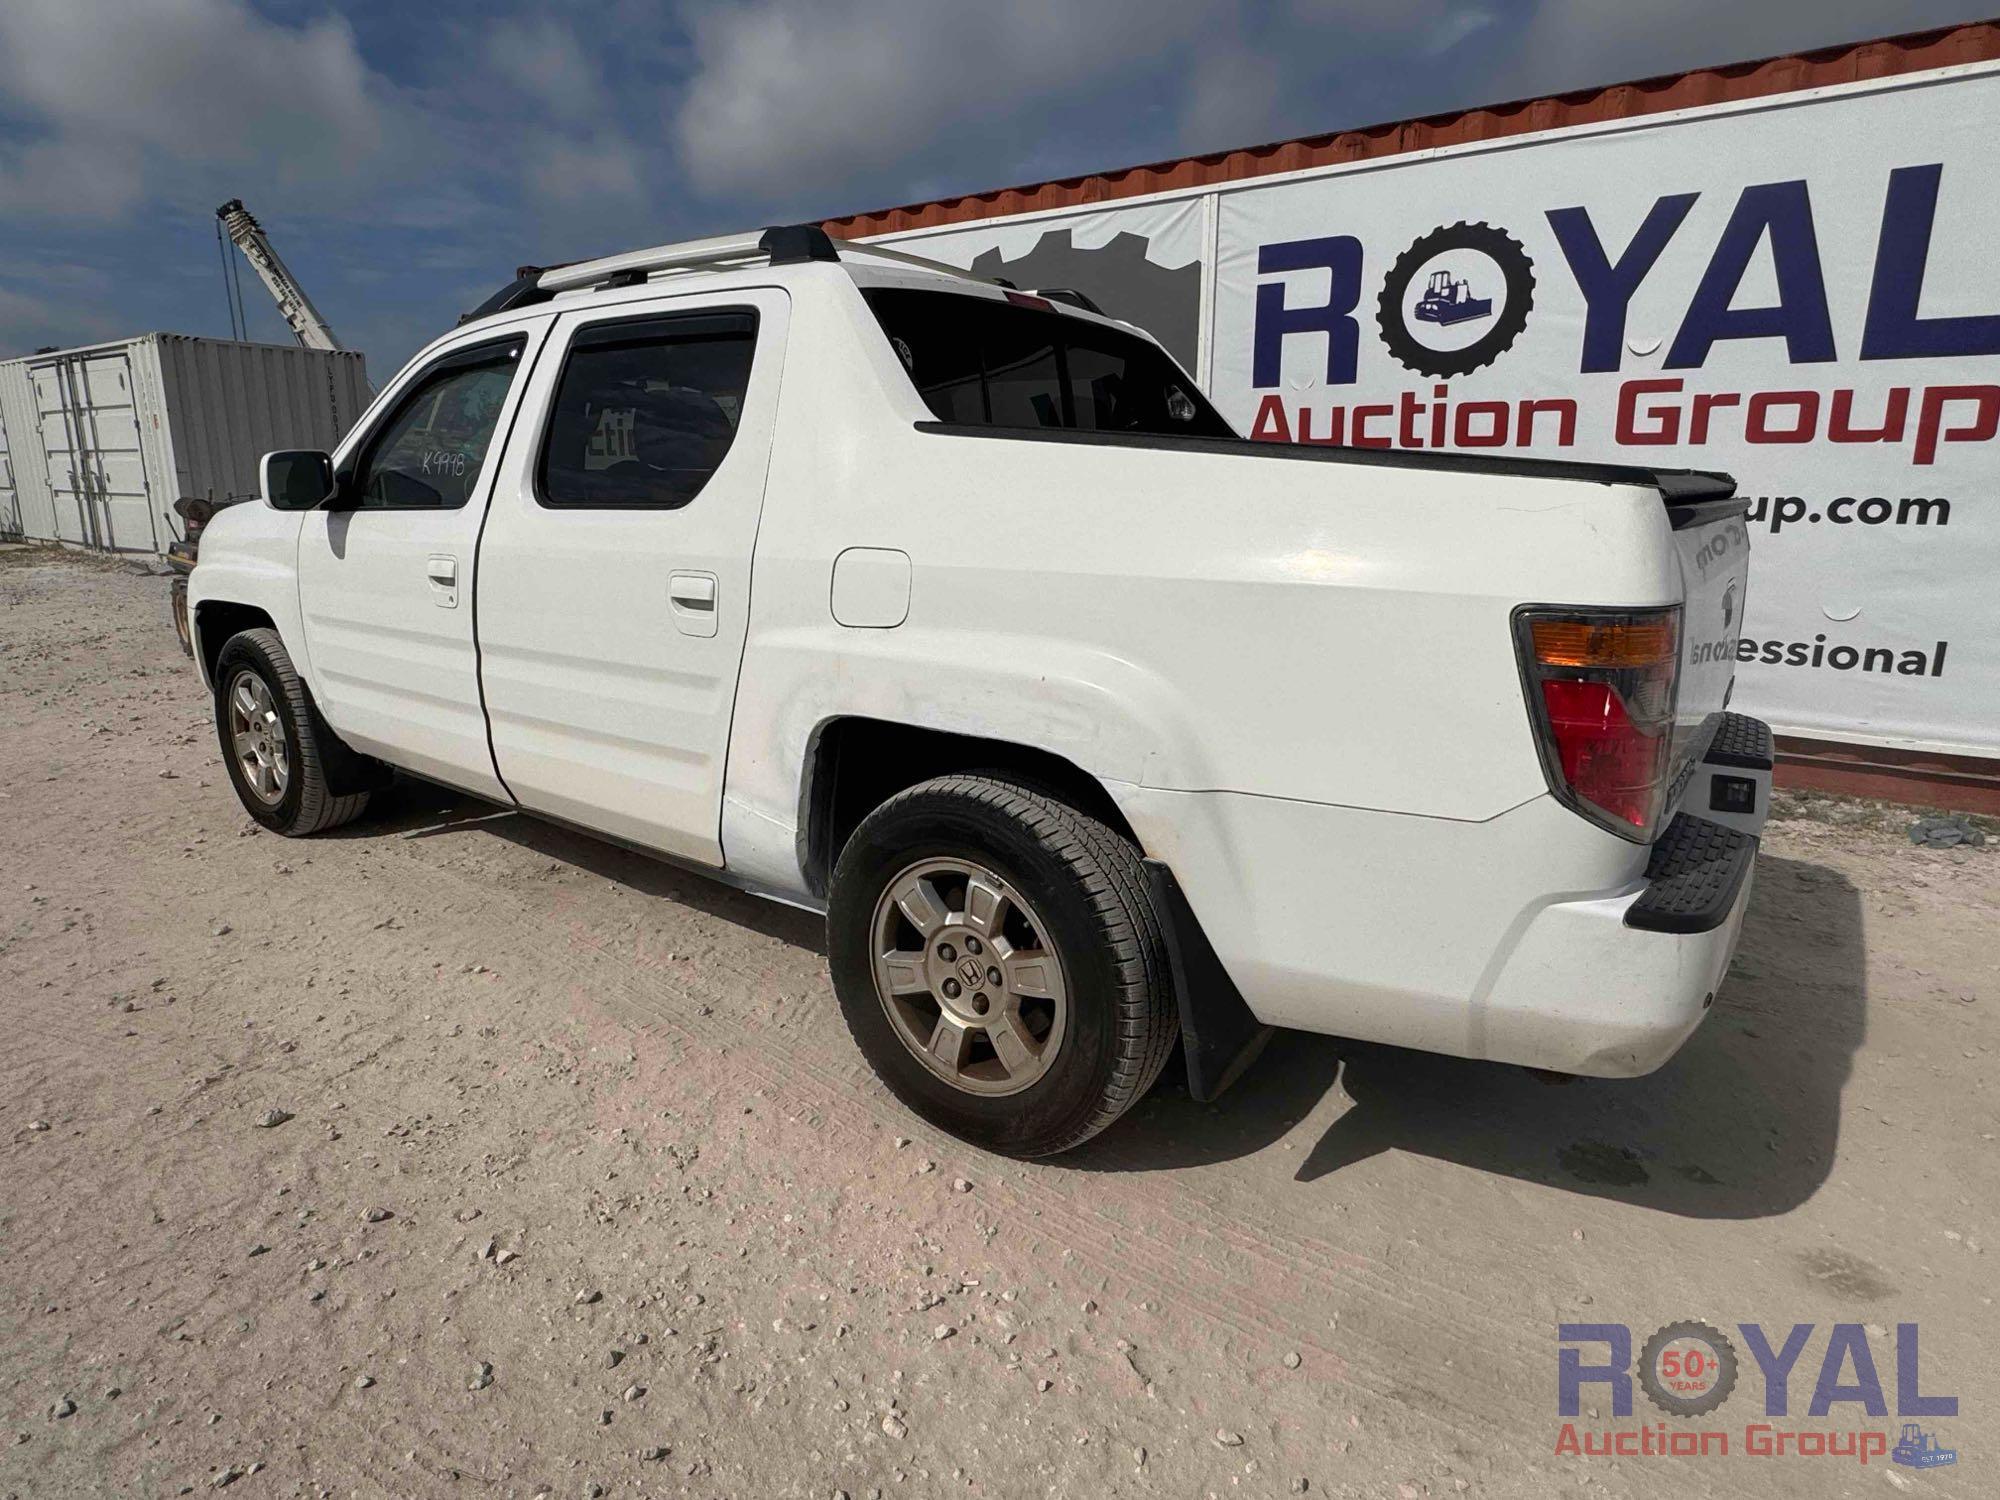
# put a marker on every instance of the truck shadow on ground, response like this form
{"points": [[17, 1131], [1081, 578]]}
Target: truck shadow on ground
{"points": [[1742, 1124], [418, 810]]}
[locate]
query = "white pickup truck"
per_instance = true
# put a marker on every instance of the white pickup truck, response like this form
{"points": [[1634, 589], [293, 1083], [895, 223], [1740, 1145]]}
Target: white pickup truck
{"points": [[957, 612]]}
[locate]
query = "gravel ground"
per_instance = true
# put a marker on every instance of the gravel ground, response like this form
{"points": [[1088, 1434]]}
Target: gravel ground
{"points": [[454, 1154]]}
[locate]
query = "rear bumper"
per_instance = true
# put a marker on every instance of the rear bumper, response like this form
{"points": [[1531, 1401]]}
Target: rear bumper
{"points": [[1611, 988], [1534, 937], [1593, 987], [1693, 875]]}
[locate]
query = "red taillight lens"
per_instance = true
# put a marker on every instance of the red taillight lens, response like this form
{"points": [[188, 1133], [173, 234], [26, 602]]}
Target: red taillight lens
{"points": [[1601, 692], [1605, 758]]}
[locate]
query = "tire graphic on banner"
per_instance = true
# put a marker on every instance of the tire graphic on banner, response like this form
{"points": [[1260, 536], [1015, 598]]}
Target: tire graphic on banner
{"points": [[1120, 276], [1456, 300], [1687, 1369]]}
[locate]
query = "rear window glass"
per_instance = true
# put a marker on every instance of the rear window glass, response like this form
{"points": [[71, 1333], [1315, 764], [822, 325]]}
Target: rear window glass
{"points": [[986, 363], [646, 410]]}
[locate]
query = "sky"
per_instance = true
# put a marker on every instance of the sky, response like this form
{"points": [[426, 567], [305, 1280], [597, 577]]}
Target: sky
{"points": [[406, 157]]}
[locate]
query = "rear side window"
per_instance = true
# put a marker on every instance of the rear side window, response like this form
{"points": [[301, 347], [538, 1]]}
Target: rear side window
{"points": [[429, 452], [646, 410], [982, 362]]}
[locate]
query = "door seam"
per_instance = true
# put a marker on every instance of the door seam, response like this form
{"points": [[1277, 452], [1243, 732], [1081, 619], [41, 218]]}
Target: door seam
{"points": [[479, 540]]}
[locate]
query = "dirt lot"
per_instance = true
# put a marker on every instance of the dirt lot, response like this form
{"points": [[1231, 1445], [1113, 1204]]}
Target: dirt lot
{"points": [[583, 1191]]}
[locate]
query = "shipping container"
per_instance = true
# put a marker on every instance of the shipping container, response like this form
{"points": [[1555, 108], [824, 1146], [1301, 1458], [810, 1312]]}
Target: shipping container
{"points": [[1825, 67], [10, 501], [100, 441]]}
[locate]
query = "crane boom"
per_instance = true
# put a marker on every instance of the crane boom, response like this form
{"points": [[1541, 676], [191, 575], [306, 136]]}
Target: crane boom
{"points": [[242, 227]]}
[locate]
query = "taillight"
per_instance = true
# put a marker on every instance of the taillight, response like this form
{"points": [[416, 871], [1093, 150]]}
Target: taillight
{"points": [[1601, 695]]}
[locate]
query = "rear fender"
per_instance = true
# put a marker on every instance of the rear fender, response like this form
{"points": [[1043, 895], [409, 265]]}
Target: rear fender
{"points": [[1111, 719]]}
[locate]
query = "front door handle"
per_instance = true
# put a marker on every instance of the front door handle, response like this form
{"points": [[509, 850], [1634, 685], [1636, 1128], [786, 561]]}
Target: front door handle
{"points": [[442, 571], [691, 599]]}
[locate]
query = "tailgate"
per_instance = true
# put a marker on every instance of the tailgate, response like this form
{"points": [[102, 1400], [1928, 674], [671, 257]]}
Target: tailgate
{"points": [[1712, 542]]}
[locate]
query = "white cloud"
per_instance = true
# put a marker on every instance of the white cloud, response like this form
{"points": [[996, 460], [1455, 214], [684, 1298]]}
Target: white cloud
{"points": [[789, 97], [32, 322], [66, 176], [793, 95], [530, 130], [1232, 99], [1295, 72], [543, 58], [118, 93], [1587, 43], [1458, 23], [1424, 27], [602, 170]]}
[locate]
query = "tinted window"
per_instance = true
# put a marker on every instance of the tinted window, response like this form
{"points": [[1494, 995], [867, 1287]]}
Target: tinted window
{"points": [[1022, 361], [991, 363], [431, 449], [646, 410]]}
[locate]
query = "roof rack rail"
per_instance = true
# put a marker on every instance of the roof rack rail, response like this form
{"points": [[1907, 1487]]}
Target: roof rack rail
{"points": [[779, 245], [519, 292]]}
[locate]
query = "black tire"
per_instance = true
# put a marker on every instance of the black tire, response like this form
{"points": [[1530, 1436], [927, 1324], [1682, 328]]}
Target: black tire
{"points": [[1089, 886], [309, 803]]}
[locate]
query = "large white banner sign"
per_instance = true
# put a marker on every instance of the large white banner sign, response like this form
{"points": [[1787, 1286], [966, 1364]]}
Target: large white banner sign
{"points": [[1803, 293]]}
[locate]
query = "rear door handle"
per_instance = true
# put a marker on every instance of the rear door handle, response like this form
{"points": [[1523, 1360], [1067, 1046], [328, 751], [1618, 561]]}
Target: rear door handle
{"points": [[691, 600], [442, 571]]}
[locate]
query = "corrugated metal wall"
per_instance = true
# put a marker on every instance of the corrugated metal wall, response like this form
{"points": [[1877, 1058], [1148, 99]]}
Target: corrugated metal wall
{"points": [[102, 440], [10, 501], [1887, 57], [229, 404]]}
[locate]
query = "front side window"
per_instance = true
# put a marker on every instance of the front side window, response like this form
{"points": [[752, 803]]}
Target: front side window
{"points": [[646, 410], [984, 362], [429, 453]]}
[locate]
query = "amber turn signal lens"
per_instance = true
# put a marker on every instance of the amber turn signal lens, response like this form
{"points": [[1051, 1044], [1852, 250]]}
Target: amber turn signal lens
{"points": [[1642, 642]]}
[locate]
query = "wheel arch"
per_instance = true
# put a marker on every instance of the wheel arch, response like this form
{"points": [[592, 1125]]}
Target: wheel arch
{"points": [[854, 763], [214, 621]]}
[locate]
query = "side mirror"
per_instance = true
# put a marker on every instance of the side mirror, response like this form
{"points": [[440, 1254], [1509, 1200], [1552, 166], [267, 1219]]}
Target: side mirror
{"points": [[297, 479]]}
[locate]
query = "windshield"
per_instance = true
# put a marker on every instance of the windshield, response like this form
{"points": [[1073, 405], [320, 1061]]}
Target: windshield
{"points": [[982, 362]]}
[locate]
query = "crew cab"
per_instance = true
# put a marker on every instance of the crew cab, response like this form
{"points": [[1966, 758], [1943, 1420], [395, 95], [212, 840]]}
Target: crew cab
{"points": [[956, 612]]}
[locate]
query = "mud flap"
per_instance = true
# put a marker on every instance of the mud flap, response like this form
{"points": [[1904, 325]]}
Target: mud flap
{"points": [[347, 771], [1218, 1033]]}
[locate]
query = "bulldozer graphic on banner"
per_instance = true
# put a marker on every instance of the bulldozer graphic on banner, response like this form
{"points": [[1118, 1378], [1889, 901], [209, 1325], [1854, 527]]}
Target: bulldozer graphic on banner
{"points": [[1448, 299], [1919, 1450]]}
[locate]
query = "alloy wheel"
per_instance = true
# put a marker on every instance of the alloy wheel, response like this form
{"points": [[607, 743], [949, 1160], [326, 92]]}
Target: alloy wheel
{"points": [[968, 977], [257, 738]]}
